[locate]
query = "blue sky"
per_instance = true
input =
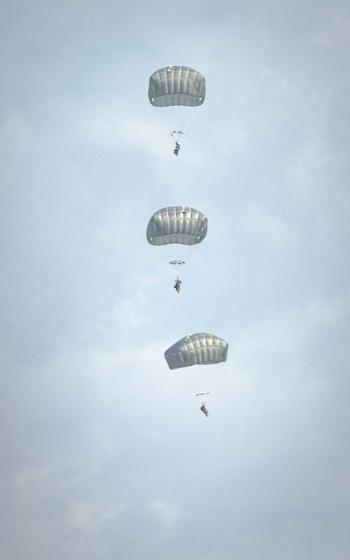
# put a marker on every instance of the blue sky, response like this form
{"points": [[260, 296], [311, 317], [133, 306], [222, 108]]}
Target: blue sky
{"points": [[105, 453]]}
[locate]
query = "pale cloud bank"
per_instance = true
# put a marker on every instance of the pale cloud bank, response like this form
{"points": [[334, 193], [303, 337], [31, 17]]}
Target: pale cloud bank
{"points": [[167, 512]]}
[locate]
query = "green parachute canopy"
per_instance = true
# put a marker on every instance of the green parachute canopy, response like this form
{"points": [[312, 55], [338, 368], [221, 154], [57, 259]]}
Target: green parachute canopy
{"points": [[177, 224], [197, 348], [176, 85]]}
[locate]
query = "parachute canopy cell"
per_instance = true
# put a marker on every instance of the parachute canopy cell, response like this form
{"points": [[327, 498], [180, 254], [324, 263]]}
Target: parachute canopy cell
{"points": [[177, 224], [176, 85], [198, 348]]}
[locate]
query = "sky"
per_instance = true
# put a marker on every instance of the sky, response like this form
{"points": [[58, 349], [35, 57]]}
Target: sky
{"points": [[104, 452]]}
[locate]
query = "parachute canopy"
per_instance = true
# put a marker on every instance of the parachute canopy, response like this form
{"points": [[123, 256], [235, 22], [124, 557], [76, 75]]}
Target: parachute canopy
{"points": [[197, 348], [176, 85], [177, 224]]}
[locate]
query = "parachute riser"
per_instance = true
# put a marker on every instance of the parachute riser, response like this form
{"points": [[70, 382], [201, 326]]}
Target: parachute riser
{"points": [[202, 395], [176, 134]]}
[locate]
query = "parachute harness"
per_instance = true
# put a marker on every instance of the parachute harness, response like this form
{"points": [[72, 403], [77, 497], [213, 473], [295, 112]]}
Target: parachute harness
{"points": [[176, 135]]}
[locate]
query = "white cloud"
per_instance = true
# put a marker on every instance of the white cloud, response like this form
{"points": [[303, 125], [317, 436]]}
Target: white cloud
{"points": [[130, 373], [167, 512], [273, 355], [62, 474], [312, 157], [132, 313], [336, 33], [15, 138], [308, 162], [112, 127], [32, 476], [271, 228], [92, 516]]}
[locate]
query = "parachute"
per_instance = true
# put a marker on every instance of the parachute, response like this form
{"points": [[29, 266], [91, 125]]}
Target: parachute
{"points": [[197, 348], [177, 224], [176, 85]]}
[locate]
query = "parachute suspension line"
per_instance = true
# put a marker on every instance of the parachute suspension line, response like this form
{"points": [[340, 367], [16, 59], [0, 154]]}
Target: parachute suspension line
{"points": [[176, 265], [185, 258], [177, 134], [190, 120], [173, 86], [190, 253], [203, 407], [170, 226]]}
